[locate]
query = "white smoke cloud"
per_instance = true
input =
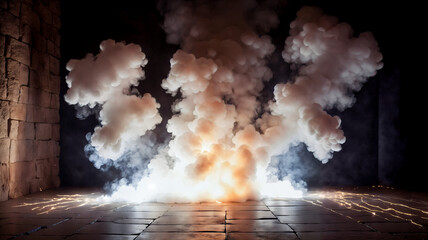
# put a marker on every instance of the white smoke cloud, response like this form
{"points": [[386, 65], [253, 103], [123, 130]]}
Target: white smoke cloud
{"points": [[220, 147], [332, 65], [105, 80]]}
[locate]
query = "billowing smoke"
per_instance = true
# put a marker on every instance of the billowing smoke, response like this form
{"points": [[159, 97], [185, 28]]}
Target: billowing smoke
{"points": [[223, 137], [104, 81]]}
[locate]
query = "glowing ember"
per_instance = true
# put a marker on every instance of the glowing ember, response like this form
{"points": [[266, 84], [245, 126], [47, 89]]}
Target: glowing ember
{"points": [[223, 137]]}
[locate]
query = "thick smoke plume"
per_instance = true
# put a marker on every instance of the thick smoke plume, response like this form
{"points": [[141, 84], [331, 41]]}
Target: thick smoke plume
{"points": [[223, 137], [105, 80]]}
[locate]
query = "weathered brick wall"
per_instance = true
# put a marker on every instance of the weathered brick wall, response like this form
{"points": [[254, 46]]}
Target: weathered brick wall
{"points": [[29, 96]]}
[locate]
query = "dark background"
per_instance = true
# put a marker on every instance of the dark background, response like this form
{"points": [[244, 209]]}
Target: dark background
{"points": [[381, 146]]}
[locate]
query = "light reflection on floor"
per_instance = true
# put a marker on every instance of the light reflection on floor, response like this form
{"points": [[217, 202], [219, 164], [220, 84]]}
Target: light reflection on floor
{"points": [[362, 213]]}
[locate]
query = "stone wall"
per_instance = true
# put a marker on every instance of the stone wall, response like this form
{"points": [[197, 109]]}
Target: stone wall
{"points": [[29, 96]]}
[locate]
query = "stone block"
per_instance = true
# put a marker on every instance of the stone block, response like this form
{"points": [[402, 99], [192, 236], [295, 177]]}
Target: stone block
{"points": [[54, 101], [40, 114], [54, 83], [54, 164], [47, 31], [14, 7], [56, 132], [51, 48], [17, 74], [43, 131], [20, 130], [23, 95], [56, 38], [54, 65], [39, 80], [10, 24], [40, 62], [55, 7], [4, 150], [21, 176], [18, 111], [56, 149], [43, 170], [25, 33], [56, 21], [32, 113], [43, 11], [39, 97], [21, 150], [12, 76], [53, 116], [45, 99], [2, 45], [26, 14], [39, 42], [24, 74], [4, 117], [46, 173], [4, 181], [3, 80], [18, 51], [43, 149], [34, 96], [35, 22]]}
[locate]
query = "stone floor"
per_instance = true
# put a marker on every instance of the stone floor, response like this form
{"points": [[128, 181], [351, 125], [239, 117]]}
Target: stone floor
{"points": [[74, 214]]}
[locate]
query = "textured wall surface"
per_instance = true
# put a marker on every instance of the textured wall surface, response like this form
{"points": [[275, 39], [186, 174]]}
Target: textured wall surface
{"points": [[29, 96]]}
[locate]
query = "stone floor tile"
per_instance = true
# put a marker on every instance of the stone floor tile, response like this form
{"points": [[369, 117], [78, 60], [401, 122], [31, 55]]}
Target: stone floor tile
{"points": [[314, 219], [113, 228], [347, 236], [144, 208], [249, 215], [180, 236], [411, 236], [74, 214], [336, 227], [185, 228], [196, 213], [31, 237], [134, 221], [246, 208], [293, 202], [273, 227], [121, 215], [92, 214], [101, 237], [190, 220], [261, 236], [187, 208], [18, 229], [300, 210], [252, 221], [30, 221], [67, 227]]}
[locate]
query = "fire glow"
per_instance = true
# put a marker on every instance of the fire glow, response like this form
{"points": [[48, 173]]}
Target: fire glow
{"points": [[223, 137]]}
